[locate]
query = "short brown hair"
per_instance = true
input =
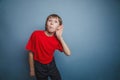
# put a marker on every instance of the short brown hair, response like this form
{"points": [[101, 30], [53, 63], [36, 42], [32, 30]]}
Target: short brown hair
{"points": [[54, 16]]}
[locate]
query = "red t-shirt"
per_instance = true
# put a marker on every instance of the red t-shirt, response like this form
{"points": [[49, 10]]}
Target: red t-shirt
{"points": [[43, 47]]}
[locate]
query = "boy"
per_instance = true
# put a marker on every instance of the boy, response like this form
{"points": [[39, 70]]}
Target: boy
{"points": [[41, 47]]}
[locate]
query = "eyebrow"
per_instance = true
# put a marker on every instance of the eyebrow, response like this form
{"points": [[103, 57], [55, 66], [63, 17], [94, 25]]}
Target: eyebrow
{"points": [[53, 17]]}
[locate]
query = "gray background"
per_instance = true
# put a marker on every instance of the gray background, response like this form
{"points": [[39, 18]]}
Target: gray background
{"points": [[91, 30]]}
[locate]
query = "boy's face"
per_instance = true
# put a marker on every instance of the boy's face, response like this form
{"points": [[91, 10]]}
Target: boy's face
{"points": [[52, 24]]}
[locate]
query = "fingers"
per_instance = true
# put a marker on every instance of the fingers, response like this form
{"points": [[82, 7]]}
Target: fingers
{"points": [[60, 27]]}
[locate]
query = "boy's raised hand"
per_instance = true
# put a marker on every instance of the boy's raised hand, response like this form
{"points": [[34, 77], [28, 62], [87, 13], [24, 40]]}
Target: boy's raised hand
{"points": [[59, 32]]}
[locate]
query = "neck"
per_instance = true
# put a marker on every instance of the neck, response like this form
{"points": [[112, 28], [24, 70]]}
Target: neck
{"points": [[49, 33]]}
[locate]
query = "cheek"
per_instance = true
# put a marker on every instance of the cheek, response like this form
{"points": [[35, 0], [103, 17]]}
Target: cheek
{"points": [[56, 28], [56, 24], [48, 23]]}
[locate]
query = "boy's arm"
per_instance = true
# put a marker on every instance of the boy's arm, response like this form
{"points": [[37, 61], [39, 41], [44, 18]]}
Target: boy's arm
{"points": [[60, 38], [31, 64], [65, 47]]}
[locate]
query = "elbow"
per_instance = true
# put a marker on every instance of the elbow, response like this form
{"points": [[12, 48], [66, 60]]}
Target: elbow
{"points": [[68, 53]]}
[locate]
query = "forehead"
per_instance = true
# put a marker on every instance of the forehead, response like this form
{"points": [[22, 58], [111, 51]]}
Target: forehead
{"points": [[52, 17]]}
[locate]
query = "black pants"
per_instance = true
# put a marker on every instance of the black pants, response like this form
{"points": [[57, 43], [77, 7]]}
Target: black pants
{"points": [[43, 71]]}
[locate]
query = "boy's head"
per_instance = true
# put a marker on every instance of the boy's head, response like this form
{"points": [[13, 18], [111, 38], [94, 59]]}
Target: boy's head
{"points": [[53, 21]]}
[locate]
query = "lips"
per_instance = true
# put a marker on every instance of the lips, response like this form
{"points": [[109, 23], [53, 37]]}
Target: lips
{"points": [[50, 27]]}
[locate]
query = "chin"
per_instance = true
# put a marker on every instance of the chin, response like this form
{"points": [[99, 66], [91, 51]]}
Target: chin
{"points": [[51, 31]]}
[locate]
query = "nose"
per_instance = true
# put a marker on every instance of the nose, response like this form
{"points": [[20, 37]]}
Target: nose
{"points": [[51, 23]]}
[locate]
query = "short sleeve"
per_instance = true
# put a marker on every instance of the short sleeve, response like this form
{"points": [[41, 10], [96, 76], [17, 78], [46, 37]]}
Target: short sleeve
{"points": [[59, 47], [30, 46]]}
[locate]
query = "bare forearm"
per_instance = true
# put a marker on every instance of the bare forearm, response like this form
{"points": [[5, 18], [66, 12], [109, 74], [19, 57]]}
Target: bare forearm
{"points": [[31, 61], [65, 47]]}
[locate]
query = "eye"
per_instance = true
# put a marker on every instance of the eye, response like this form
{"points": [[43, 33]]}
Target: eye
{"points": [[56, 22], [49, 20]]}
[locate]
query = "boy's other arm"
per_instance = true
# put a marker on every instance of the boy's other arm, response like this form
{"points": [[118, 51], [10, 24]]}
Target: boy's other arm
{"points": [[31, 64]]}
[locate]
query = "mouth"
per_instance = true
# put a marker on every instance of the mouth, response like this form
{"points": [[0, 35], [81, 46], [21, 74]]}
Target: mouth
{"points": [[50, 27]]}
